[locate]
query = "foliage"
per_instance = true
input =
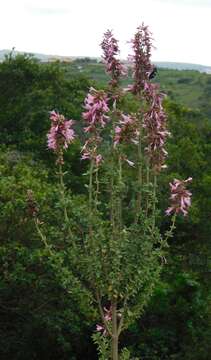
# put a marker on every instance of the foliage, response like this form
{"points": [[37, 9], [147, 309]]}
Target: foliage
{"points": [[28, 91], [39, 308]]}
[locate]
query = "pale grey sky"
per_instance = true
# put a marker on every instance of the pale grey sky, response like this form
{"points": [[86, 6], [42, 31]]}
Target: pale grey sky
{"points": [[181, 28]]}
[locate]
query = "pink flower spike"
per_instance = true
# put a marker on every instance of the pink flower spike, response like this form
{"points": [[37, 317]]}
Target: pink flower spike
{"points": [[180, 197], [61, 133], [96, 106], [156, 128], [127, 130], [96, 118]]}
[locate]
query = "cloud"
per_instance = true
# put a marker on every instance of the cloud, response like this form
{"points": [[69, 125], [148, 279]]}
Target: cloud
{"points": [[47, 8], [181, 28], [48, 11], [200, 3]]}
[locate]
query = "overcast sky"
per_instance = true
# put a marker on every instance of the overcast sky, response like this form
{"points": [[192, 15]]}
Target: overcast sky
{"points": [[181, 28]]}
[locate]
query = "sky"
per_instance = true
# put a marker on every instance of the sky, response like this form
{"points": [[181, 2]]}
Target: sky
{"points": [[181, 28]]}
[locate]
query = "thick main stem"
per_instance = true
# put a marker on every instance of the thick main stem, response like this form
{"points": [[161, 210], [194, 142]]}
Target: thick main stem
{"points": [[115, 337]]}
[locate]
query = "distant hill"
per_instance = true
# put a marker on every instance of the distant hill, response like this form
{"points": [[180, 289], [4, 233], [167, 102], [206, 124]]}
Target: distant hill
{"points": [[183, 66], [41, 57], [160, 64]]}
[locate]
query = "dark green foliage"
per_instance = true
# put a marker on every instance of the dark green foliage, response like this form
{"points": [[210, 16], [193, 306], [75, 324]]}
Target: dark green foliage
{"points": [[28, 91], [175, 325], [39, 309]]}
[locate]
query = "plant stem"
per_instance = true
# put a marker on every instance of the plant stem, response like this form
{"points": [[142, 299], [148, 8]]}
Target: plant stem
{"points": [[154, 200], [120, 327], [172, 227], [90, 184], [115, 337], [90, 196], [42, 236], [97, 188], [62, 192], [147, 184], [140, 170], [120, 193], [102, 314]]}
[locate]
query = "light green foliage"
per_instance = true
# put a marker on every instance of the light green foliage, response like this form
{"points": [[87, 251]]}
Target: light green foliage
{"points": [[103, 346], [186, 87]]}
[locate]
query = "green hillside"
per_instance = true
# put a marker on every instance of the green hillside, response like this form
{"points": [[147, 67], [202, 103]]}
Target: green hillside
{"points": [[187, 87]]}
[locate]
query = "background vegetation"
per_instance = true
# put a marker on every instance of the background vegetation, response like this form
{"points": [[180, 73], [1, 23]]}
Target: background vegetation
{"points": [[39, 317]]}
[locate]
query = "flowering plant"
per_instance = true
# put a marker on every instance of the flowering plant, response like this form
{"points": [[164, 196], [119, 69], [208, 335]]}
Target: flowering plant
{"points": [[115, 247]]}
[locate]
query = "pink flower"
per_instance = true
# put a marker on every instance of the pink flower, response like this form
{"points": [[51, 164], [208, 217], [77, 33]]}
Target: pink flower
{"points": [[96, 106], [127, 130], [99, 327], [61, 134], [90, 149], [180, 197], [98, 159], [113, 66]]}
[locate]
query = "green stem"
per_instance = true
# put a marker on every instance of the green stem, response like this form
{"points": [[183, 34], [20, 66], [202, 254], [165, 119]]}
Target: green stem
{"points": [[90, 184], [62, 192], [97, 188], [120, 327], [90, 196], [172, 227], [120, 193], [147, 186], [154, 201], [42, 236], [102, 313], [115, 337], [140, 171]]}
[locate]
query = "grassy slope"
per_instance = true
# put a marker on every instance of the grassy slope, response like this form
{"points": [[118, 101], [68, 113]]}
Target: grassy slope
{"points": [[187, 87]]}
